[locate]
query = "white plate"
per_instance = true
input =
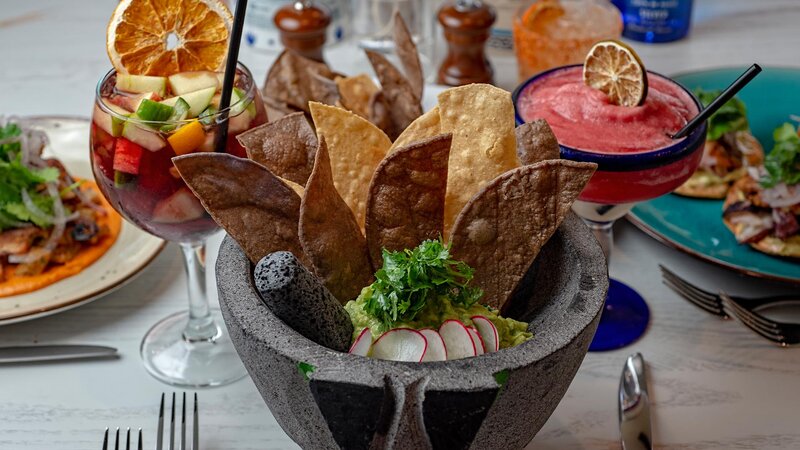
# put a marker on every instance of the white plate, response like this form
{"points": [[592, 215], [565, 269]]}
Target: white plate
{"points": [[132, 252]]}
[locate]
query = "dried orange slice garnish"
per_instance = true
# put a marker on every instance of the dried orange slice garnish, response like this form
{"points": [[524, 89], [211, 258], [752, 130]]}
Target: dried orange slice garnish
{"points": [[164, 37], [541, 14], [614, 68]]}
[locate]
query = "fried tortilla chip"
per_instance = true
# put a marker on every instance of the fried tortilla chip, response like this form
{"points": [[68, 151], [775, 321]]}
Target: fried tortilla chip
{"points": [[285, 146], [355, 93], [323, 90], [481, 118], [254, 206], [356, 147], [536, 142], [408, 54], [403, 105], [277, 109], [330, 234], [379, 112], [406, 197], [503, 227], [289, 80], [424, 127]]}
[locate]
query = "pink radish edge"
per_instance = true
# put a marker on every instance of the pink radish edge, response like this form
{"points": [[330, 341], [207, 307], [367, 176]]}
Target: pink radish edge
{"points": [[494, 331], [358, 339], [424, 349], [483, 344], [444, 344], [474, 349]]}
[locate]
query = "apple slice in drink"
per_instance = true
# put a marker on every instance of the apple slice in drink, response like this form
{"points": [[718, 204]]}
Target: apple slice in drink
{"points": [[185, 82], [362, 344], [181, 206], [242, 112], [148, 139], [436, 351], [488, 332], [139, 84], [400, 344], [197, 100], [111, 123], [457, 339], [480, 348]]}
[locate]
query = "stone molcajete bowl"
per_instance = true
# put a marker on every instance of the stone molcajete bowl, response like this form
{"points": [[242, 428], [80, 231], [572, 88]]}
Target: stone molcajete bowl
{"points": [[325, 399]]}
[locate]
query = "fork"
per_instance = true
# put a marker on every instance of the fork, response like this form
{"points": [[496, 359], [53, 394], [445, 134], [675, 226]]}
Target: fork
{"points": [[195, 426], [127, 440], [711, 302], [784, 334]]}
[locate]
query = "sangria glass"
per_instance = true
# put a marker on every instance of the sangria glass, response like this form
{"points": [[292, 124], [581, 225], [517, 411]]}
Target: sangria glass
{"points": [[621, 180], [190, 348]]}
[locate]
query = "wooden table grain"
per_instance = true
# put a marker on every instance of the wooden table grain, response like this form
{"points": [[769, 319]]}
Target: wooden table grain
{"points": [[714, 384]]}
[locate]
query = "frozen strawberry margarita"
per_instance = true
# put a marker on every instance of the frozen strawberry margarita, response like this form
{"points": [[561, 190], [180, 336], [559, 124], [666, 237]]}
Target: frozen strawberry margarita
{"points": [[583, 118], [637, 160]]}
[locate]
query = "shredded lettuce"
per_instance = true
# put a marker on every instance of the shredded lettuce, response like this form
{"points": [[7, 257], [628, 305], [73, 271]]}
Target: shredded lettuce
{"points": [[732, 116], [783, 162]]}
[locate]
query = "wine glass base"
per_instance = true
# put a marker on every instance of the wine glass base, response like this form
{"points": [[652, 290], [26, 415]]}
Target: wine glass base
{"points": [[170, 358], [624, 320]]}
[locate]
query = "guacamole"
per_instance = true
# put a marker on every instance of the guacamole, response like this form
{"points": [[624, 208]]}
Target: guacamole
{"points": [[510, 331]]}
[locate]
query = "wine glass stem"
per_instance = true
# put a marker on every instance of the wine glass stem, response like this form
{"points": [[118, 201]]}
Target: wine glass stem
{"points": [[604, 233], [201, 326]]}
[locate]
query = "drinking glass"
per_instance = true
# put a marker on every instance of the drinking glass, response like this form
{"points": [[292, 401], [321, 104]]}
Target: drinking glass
{"points": [[188, 348], [561, 33], [621, 180]]}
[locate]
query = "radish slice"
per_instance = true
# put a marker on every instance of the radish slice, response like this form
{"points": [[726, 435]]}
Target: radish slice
{"points": [[437, 351], [457, 339], [480, 347], [400, 344], [488, 332], [362, 344]]}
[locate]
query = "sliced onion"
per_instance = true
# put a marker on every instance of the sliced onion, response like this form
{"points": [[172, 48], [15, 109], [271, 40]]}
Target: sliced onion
{"points": [[40, 215], [60, 218], [781, 195]]}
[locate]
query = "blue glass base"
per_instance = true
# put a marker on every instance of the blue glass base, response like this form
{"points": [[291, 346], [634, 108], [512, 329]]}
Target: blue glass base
{"points": [[624, 320]]}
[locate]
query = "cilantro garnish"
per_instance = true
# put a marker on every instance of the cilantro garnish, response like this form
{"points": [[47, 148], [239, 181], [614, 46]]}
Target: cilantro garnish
{"points": [[16, 177], [732, 116], [783, 162], [409, 279]]}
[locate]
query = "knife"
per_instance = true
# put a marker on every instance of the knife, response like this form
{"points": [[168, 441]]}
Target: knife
{"points": [[635, 429], [33, 353]]}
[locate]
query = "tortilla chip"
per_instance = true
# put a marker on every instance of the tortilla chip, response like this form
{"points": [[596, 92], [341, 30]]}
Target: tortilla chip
{"points": [[255, 207], [403, 105], [323, 90], [503, 227], [356, 148], [355, 93], [285, 146], [703, 184], [379, 112], [277, 109], [425, 127], [481, 118], [536, 142], [406, 197], [408, 54], [289, 80], [330, 234]]}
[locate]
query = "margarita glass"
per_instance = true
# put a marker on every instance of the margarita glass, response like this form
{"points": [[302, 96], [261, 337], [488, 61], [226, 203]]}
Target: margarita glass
{"points": [[132, 163], [637, 160]]}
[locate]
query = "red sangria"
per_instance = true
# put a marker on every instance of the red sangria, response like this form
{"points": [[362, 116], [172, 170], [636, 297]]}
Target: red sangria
{"points": [[141, 122]]}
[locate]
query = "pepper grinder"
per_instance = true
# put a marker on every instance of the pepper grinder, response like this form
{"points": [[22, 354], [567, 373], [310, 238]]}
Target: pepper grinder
{"points": [[303, 27], [467, 24]]}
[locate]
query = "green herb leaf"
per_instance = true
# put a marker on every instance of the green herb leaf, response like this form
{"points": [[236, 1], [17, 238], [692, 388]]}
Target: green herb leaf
{"points": [[409, 279], [783, 162], [8, 131], [732, 116], [305, 369]]}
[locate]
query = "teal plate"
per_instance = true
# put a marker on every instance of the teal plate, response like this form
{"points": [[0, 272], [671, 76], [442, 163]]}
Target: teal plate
{"points": [[695, 225]]}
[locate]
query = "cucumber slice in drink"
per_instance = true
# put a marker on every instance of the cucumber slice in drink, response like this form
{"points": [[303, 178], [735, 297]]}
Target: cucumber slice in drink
{"points": [[207, 116], [110, 123], [240, 103], [180, 112], [197, 100], [122, 179], [151, 111]]}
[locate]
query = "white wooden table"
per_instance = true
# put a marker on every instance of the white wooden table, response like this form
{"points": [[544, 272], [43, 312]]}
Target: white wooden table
{"points": [[714, 384]]}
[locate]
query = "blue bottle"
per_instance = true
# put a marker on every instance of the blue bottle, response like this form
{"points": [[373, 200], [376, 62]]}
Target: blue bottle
{"points": [[655, 20]]}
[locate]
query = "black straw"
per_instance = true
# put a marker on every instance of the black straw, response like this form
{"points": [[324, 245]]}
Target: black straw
{"points": [[230, 74], [726, 95]]}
